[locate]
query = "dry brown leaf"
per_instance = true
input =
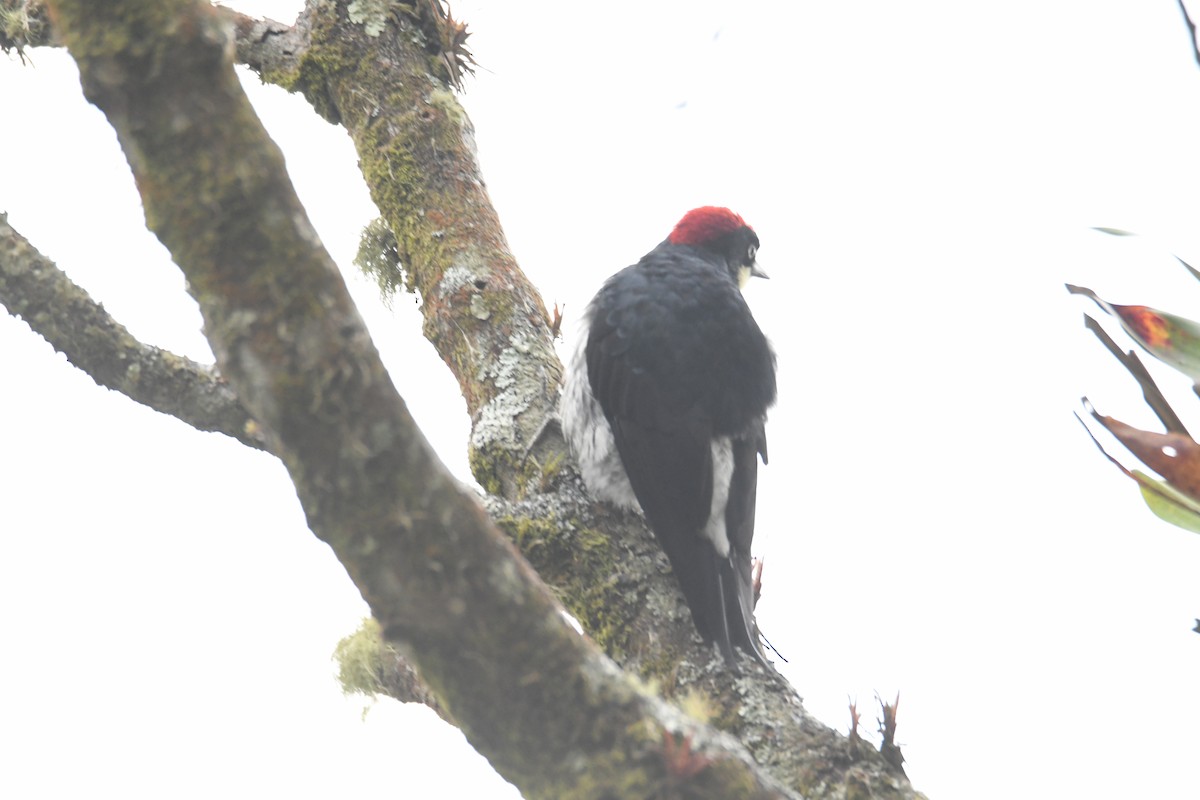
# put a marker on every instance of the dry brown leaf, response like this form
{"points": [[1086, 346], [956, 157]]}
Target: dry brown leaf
{"points": [[1175, 456]]}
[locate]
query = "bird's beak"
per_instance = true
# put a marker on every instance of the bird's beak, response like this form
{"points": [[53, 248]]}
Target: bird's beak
{"points": [[756, 272]]}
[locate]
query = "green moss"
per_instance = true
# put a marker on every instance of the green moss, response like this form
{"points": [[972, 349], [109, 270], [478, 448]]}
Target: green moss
{"points": [[445, 101], [484, 471], [551, 469], [697, 705], [555, 549], [498, 469], [528, 533], [663, 668], [378, 258], [360, 659], [729, 780], [398, 186], [498, 305], [647, 686], [591, 539], [325, 59], [725, 715], [593, 602], [17, 27]]}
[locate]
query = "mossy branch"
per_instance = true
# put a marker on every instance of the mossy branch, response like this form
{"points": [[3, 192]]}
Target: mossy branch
{"points": [[383, 79], [34, 289], [369, 666]]}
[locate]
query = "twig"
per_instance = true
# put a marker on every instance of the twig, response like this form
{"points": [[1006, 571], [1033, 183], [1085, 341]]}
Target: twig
{"points": [[1192, 29], [1150, 391]]}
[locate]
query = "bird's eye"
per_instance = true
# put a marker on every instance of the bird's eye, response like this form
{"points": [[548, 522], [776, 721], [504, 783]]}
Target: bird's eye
{"points": [[750, 254]]}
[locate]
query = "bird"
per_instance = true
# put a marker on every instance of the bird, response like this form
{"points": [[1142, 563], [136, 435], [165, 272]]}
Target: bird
{"points": [[664, 407]]}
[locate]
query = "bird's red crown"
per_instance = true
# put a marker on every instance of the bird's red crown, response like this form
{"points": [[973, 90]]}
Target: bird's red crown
{"points": [[704, 224]]}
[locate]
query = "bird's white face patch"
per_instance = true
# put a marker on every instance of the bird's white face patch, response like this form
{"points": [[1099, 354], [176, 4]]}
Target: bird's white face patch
{"points": [[588, 435], [746, 270], [722, 464], [743, 276]]}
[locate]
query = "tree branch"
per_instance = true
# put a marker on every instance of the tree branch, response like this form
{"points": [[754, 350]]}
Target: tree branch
{"points": [[267, 46], [444, 584], [369, 666], [33, 288], [415, 145]]}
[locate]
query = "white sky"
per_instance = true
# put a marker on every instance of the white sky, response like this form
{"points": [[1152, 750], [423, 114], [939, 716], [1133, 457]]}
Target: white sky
{"points": [[935, 522]]}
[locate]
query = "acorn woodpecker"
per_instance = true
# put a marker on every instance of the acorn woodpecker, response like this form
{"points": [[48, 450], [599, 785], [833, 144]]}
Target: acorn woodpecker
{"points": [[664, 405]]}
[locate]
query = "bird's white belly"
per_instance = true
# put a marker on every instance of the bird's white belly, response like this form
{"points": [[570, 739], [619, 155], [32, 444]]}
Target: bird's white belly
{"points": [[589, 436]]}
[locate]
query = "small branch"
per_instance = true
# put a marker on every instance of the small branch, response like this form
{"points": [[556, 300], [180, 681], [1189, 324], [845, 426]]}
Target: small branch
{"points": [[1150, 391], [266, 46], [369, 666], [399, 679], [33, 288], [887, 729], [1191, 29]]}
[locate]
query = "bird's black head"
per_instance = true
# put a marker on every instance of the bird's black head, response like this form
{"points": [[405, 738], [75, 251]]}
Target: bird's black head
{"points": [[720, 231]]}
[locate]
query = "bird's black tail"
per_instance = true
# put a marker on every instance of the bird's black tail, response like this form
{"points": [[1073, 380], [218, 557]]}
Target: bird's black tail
{"points": [[666, 467], [720, 594], [736, 576], [735, 573]]}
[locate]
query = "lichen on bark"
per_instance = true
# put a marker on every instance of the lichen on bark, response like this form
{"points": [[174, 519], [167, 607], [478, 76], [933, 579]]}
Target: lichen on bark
{"points": [[416, 150]]}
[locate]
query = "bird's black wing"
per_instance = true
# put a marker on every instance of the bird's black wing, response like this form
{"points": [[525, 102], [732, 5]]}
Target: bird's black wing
{"points": [[664, 356]]}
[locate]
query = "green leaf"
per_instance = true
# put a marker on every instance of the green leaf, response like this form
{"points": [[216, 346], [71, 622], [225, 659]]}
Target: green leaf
{"points": [[1168, 503], [1114, 231]]}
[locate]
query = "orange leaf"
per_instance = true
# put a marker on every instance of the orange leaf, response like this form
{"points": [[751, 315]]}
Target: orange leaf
{"points": [[1146, 324]]}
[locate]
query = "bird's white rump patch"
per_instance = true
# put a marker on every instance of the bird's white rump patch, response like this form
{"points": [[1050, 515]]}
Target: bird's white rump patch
{"points": [[722, 465]]}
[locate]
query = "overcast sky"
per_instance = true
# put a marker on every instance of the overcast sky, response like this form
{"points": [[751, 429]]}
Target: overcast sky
{"points": [[935, 522]]}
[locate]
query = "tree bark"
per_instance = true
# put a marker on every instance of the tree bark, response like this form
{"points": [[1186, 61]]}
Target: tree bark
{"points": [[33, 288]]}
